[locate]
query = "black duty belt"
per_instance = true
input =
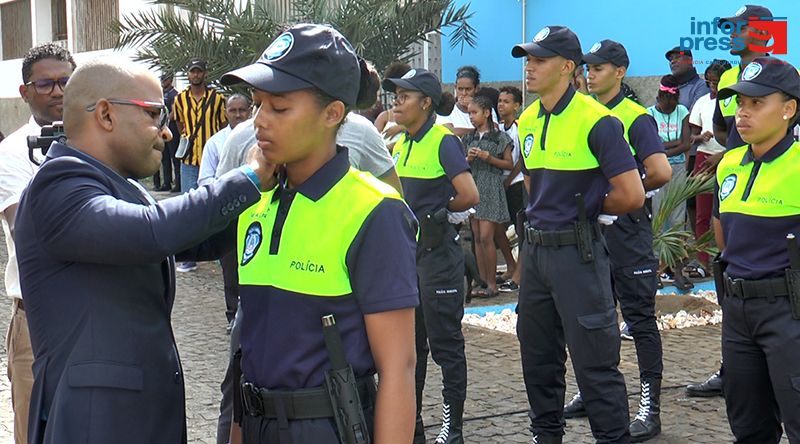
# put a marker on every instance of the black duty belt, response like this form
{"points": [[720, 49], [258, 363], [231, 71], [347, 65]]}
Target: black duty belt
{"points": [[762, 288], [556, 238], [299, 404]]}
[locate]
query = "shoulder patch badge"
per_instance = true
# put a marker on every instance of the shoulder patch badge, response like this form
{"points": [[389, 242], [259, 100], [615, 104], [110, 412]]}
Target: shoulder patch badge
{"points": [[252, 241], [728, 184], [527, 145]]}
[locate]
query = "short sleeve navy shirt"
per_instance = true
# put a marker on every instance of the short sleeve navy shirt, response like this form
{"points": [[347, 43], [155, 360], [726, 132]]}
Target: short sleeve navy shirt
{"points": [[282, 342], [427, 196]]}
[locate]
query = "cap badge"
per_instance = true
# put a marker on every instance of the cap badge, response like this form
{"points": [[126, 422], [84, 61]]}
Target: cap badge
{"points": [[252, 240], [410, 74], [542, 34], [752, 71], [727, 187], [279, 47], [741, 11], [596, 47]]}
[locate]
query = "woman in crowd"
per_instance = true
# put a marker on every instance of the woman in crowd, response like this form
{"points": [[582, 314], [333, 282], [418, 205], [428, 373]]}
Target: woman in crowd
{"points": [[437, 181], [709, 153], [468, 81], [489, 152]]}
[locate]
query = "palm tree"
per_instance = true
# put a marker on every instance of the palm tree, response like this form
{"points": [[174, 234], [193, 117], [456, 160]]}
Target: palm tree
{"points": [[673, 245], [232, 33]]}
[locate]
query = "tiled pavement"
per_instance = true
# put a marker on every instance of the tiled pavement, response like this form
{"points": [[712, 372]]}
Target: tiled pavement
{"points": [[496, 406]]}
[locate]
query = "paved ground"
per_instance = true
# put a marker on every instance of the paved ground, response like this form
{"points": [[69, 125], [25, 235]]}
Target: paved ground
{"points": [[496, 407]]}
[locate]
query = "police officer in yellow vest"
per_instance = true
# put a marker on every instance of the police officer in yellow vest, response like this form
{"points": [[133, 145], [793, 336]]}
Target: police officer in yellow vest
{"points": [[316, 245], [577, 165], [630, 237], [756, 223], [725, 131], [436, 181]]}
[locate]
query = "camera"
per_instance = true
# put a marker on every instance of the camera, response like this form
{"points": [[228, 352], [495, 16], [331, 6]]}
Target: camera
{"points": [[50, 133]]}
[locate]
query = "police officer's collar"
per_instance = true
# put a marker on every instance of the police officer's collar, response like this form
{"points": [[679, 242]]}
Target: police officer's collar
{"points": [[561, 105], [775, 152], [423, 130], [616, 100], [321, 181]]}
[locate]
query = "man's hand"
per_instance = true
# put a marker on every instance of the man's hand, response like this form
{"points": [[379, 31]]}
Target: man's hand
{"points": [[710, 164], [267, 172]]}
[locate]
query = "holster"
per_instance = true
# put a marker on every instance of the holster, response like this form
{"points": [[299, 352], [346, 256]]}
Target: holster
{"points": [[432, 229], [583, 235], [793, 285], [718, 267], [347, 409]]}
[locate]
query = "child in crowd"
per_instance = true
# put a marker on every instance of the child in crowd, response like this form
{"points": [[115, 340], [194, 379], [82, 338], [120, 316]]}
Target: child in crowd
{"points": [[508, 106], [489, 153], [468, 81]]}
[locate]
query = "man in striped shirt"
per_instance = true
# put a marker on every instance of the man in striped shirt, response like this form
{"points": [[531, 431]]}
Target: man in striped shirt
{"points": [[200, 112]]}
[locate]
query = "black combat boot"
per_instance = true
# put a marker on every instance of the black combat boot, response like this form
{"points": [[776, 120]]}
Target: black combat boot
{"points": [[547, 439], [452, 421], [575, 408], [647, 423]]}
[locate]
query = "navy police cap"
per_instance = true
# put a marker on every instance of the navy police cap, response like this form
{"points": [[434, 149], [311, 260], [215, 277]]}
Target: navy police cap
{"points": [[746, 12], [551, 41], [764, 76], [420, 80], [304, 56], [607, 51]]}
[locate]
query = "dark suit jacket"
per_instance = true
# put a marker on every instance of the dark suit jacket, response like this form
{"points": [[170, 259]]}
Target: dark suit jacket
{"points": [[96, 268]]}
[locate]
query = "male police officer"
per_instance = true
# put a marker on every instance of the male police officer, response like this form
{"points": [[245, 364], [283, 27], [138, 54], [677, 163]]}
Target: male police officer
{"points": [[577, 165], [725, 131], [630, 237]]}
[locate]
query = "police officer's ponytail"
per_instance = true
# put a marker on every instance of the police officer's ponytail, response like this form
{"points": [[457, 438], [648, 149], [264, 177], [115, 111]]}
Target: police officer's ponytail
{"points": [[368, 86]]}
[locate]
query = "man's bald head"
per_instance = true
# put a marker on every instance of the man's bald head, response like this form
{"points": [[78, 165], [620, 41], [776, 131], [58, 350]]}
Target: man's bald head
{"points": [[104, 78]]}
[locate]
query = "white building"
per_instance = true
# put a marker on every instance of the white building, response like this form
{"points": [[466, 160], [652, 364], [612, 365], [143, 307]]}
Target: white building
{"points": [[81, 26]]}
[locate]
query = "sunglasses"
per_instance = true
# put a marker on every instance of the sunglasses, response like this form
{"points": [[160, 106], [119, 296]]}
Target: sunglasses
{"points": [[46, 86], [148, 107]]}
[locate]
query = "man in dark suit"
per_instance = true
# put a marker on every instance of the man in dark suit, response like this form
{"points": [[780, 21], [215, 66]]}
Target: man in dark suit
{"points": [[97, 267]]}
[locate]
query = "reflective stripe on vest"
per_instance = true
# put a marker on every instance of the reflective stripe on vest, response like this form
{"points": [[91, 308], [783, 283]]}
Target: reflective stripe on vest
{"points": [[729, 78], [628, 111], [312, 254], [772, 194], [567, 135], [420, 160]]}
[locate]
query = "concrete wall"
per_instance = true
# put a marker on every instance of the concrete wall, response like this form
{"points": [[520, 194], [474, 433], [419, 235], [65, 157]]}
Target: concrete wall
{"points": [[13, 114]]}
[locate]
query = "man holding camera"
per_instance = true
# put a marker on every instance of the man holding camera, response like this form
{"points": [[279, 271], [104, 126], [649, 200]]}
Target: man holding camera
{"points": [[45, 71]]}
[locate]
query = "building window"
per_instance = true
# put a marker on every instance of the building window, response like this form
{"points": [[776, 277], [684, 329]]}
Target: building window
{"points": [[92, 19], [58, 9], [15, 21]]}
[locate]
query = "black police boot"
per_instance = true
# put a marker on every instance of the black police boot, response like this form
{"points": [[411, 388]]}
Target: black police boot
{"points": [[547, 439], [647, 423], [419, 432], [575, 408], [711, 387], [452, 421]]}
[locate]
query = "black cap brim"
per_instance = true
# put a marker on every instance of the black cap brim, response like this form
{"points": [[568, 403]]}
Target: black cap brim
{"points": [[593, 59], [748, 89], [265, 78], [392, 84], [532, 48]]}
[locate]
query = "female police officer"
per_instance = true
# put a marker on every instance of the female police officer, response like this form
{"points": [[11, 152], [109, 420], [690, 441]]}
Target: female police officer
{"points": [[756, 207], [314, 245], [436, 179]]}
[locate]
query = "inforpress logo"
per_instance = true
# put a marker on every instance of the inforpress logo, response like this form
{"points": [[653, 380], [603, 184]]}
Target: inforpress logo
{"points": [[713, 35]]}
